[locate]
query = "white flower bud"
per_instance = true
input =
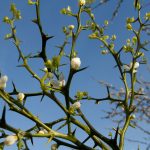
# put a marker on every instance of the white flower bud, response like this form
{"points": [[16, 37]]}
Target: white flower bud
{"points": [[104, 52], [75, 63], [62, 83], [45, 69], [76, 105], [136, 65], [41, 132], [4, 79], [10, 140], [20, 96], [68, 9], [82, 2], [71, 27]]}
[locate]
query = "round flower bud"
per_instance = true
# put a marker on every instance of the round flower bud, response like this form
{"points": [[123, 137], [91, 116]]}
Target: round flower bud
{"points": [[132, 117], [126, 67], [75, 63], [71, 27], [68, 9], [76, 105], [10, 140], [45, 69], [20, 96], [4, 79], [104, 52], [62, 83], [82, 2], [136, 65], [41, 132]]}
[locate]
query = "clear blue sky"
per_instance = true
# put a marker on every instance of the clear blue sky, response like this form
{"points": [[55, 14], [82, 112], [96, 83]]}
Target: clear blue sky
{"points": [[100, 67]]}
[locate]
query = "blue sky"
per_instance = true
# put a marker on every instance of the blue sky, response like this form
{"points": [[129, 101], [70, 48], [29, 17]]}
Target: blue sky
{"points": [[100, 67]]}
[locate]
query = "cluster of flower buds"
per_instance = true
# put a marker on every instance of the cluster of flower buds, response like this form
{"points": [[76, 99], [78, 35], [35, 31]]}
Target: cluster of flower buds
{"points": [[71, 27], [58, 83], [3, 81], [10, 140]]}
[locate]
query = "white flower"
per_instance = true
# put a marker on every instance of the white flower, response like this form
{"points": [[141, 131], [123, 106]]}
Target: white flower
{"points": [[62, 83], [75, 63], [3, 81], [126, 67], [54, 147], [82, 2], [136, 65], [132, 117], [134, 71], [20, 96], [42, 131], [10, 140], [69, 9], [71, 27], [76, 105], [4, 78], [45, 69]]}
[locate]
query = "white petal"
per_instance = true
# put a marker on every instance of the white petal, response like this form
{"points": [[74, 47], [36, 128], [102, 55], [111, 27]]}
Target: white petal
{"points": [[126, 67], [10, 140], [136, 65]]}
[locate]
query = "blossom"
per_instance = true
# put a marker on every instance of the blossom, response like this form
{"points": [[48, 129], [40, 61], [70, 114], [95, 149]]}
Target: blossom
{"points": [[45, 69], [135, 67], [71, 27], [43, 131], [10, 140], [76, 105], [3, 81], [132, 117], [75, 63], [104, 52], [62, 83], [82, 2], [20, 96], [4, 78], [126, 67], [68, 9]]}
